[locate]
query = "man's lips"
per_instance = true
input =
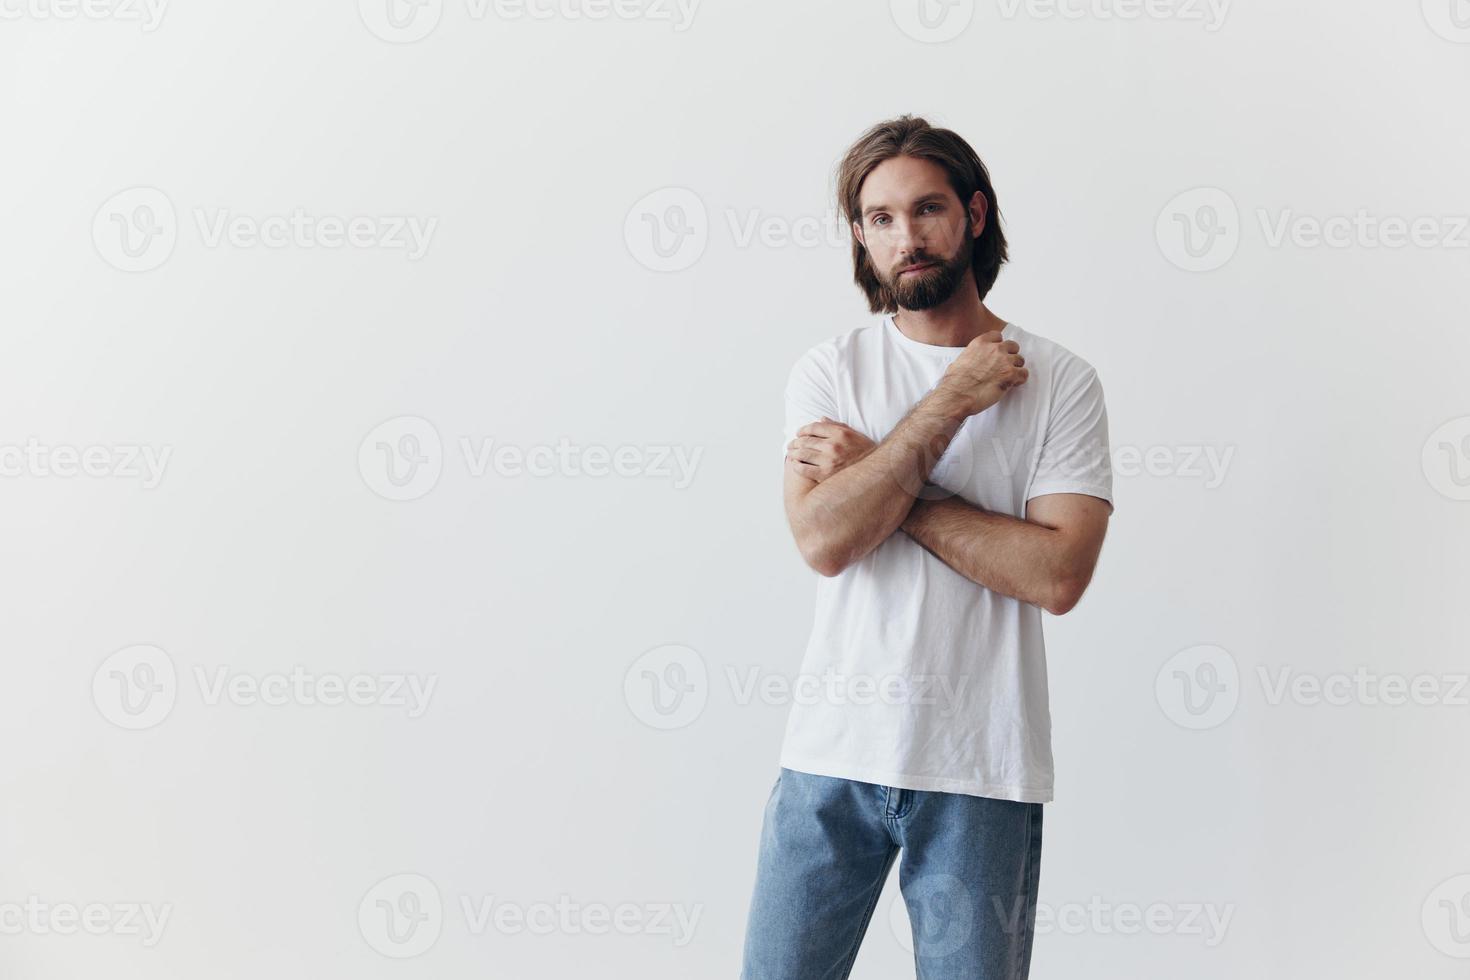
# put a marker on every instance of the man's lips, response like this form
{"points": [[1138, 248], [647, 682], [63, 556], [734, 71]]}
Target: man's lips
{"points": [[908, 270]]}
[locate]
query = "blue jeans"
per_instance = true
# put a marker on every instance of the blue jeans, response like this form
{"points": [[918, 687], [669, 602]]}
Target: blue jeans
{"points": [[969, 872]]}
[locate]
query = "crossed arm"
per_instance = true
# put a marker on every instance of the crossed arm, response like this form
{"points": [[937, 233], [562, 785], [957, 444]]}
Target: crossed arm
{"points": [[845, 495]]}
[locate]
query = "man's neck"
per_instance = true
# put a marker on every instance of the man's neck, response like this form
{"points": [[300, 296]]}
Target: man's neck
{"points": [[954, 323]]}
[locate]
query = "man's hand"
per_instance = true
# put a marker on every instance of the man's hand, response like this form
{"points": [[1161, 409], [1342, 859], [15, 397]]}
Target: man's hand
{"points": [[986, 369], [842, 518], [822, 448]]}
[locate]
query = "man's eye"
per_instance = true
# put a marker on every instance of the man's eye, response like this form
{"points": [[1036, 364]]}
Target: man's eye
{"points": [[879, 219], [928, 206]]}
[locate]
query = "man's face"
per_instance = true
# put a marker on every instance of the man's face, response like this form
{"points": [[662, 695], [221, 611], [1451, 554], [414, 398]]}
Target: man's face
{"points": [[911, 217]]}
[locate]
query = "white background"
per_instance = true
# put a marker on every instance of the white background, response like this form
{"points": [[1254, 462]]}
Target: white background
{"points": [[540, 312]]}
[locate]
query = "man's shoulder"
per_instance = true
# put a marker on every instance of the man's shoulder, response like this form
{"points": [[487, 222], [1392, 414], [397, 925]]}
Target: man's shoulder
{"points": [[1062, 362], [850, 340], [830, 353]]}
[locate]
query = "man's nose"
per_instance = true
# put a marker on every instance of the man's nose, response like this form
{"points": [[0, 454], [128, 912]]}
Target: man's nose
{"points": [[907, 238]]}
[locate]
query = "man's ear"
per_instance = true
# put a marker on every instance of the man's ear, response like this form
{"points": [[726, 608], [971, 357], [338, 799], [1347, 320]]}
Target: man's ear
{"points": [[857, 232], [979, 210]]}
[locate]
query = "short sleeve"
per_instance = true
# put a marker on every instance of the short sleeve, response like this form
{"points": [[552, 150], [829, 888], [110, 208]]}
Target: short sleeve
{"points": [[1075, 456], [810, 393]]}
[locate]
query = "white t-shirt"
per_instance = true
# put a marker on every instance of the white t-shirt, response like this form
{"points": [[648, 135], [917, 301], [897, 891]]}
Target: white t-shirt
{"points": [[914, 676]]}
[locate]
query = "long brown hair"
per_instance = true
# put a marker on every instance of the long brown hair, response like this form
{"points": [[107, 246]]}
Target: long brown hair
{"points": [[913, 136]]}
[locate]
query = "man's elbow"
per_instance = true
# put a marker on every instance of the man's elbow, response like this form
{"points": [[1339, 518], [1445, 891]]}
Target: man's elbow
{"points": [[822, 560], [823, 556], [1066, 592]]}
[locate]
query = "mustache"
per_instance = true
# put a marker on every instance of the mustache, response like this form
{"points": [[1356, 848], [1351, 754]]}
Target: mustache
{"points": [[916, 260]]}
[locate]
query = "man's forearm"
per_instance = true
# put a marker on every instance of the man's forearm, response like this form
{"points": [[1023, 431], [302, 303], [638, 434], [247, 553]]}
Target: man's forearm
{"points": [[1005, 554], [851, 512]]}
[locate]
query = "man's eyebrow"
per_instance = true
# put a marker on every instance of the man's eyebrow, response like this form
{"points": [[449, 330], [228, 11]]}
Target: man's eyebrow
{"points": [[935, 196]]}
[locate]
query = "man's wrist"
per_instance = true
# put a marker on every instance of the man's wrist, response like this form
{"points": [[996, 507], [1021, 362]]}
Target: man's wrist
{"points": [[948, 402], [916, 513]]}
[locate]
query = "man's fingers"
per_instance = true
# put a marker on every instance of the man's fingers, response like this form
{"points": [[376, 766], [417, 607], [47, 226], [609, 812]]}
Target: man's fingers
{"points": [[821, 430], [806, 470], [996, 337], [808, 442], [804, 454]]}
